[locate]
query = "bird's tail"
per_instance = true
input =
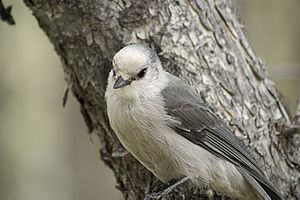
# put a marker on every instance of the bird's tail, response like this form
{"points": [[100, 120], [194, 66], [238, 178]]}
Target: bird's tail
{"points": [[266, 191]]}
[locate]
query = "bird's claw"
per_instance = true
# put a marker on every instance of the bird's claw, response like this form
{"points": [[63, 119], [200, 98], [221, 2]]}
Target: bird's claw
{"points": [[154, 195], [164, 189]]}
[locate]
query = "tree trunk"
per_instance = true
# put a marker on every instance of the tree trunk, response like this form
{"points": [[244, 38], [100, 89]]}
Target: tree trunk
{"points": [[200, 41]]}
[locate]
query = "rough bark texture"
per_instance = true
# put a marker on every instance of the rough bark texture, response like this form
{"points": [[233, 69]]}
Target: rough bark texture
{"points": [[202, 42]]}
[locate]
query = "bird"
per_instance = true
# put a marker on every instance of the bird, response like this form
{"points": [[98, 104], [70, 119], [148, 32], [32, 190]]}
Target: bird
{"points": [[163, 122]]}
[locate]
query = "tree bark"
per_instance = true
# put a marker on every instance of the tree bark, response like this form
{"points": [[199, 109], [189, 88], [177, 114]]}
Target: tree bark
{"points": [[200, 41]]}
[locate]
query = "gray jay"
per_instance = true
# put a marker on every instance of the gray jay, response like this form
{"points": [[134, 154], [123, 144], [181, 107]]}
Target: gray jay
{"points": [[165, 125]]}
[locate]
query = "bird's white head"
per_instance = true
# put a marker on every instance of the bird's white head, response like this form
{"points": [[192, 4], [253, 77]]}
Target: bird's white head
{"points": [[136, 70]]}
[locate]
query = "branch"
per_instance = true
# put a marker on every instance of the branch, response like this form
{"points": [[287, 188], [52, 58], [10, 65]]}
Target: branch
{"points": [[5, 14], [202, 42]]}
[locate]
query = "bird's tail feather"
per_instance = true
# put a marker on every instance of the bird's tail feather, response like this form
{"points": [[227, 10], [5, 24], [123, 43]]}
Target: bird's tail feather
{"points": [[264, 190]]}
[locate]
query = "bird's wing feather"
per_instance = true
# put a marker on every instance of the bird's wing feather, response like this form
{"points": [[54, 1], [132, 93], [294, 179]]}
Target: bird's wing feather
{"points": [[199, 125]]}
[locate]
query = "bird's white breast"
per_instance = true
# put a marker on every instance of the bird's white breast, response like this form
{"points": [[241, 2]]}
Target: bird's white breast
{"points": [[141, 128]]}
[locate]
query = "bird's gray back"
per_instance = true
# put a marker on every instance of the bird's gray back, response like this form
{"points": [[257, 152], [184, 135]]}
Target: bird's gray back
{"points": [[200, 126]]}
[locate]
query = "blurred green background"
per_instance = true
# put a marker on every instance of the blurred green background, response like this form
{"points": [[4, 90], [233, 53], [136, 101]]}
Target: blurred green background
{"points": [[45, 152]]}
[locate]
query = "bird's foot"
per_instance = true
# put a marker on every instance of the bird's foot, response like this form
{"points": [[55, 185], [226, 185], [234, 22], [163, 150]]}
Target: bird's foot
{"points": [[163, 189], [210, 193]]}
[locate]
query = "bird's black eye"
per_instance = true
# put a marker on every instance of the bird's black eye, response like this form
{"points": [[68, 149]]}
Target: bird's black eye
{"points": [[142, 73]]}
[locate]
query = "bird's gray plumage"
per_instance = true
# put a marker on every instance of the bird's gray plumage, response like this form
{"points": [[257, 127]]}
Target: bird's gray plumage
{"points": [[165, 125], [200, 126]]}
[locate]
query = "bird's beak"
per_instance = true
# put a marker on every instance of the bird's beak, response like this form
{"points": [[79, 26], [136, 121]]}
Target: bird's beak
{"points": [[120, 82]]}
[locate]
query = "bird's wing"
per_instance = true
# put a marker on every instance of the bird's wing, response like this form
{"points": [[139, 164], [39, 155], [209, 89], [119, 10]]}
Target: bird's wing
{"points": [[200, 126]]}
